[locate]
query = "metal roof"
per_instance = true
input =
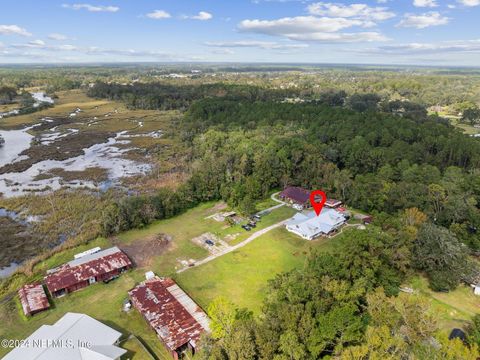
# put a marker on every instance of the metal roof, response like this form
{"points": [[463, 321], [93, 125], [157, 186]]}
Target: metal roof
{"points": [[333, 203], [296, 194], [68, 339], [82, 269], [175, 317], [310, 226], [33, 298]]}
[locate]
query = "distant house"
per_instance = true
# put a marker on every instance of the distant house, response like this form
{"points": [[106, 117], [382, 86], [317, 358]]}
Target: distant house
{"points": [[33, 299], [309, 226], [366, 219], [86, 270], [74, 336], [173, 315], [296, 196]]}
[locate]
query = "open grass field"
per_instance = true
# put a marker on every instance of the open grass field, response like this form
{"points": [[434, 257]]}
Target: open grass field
{"points": [[242, 276], [467, 129], [187, 226], [454, 308]]}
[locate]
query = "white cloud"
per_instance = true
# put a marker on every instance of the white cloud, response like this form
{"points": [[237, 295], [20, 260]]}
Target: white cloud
{"points": [[469, 2], [357, 11], [298, 25], [423, 21], [91, 8], [311, 28], [159, 14], [223, 51], [455, 46], [41, 45], [57, 36], [202, 16], [256, 44], [37, 43], [13, 30], [425, 3]]}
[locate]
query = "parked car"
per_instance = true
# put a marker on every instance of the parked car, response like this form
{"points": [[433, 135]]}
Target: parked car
{"points": [[246, 227], [252, 224], [257, 217], [209, 242]]}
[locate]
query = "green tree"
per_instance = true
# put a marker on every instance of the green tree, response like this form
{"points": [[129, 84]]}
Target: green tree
{"points": [[439, 253], [222, 314]]}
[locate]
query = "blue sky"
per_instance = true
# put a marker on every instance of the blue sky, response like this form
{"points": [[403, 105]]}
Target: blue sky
{"points": [[424, 32]]}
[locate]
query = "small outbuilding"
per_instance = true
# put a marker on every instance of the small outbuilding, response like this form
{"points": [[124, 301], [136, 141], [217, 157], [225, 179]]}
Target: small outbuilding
{"points": [[33, 299]]}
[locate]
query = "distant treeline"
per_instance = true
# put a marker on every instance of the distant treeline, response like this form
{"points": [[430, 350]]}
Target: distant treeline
{"points": [[159, 96]]}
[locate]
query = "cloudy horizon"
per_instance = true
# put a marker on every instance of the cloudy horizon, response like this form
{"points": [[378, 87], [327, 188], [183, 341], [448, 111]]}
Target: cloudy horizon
{"points": [[396, 32]]}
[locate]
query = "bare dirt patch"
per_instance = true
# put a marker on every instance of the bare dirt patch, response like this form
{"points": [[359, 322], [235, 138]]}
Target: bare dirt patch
{"points": [[210, 242], [142, 252]]}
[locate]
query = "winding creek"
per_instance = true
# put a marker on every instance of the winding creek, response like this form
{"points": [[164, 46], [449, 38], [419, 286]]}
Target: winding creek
{"points": [[107, 155]]}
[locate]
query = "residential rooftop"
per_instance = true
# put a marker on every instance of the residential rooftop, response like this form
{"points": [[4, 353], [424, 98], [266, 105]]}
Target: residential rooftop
{"points": [[73, 337]]}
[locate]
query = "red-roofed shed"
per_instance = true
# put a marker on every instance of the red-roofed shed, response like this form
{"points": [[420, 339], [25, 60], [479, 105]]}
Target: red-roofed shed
{"points": [[33, 299]]}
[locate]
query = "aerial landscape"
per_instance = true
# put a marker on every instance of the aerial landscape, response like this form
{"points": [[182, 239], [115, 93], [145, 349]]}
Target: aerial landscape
{"points": [[241, 180]]}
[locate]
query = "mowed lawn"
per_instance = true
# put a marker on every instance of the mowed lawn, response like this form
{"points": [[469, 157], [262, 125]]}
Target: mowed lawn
{"points": [[191, 224], [242, 276]]}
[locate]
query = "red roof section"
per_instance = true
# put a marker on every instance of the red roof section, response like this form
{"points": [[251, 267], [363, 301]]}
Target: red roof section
{"points": [[165, 314], [67, 275], [333, 203], [33, 298], [296, 194]]}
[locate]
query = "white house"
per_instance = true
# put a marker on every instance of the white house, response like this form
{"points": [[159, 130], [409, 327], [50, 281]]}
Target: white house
{"points": [[73, 337], [309, 226]]}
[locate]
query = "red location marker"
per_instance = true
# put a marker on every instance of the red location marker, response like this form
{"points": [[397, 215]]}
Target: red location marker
{"points": [[314, 197]]}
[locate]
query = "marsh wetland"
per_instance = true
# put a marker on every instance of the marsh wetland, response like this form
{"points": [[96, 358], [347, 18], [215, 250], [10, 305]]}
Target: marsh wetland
{"points": [[79, 145]]}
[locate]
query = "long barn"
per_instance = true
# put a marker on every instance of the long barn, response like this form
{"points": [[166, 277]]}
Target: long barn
{"points": [[81, 272], [173, 315]]}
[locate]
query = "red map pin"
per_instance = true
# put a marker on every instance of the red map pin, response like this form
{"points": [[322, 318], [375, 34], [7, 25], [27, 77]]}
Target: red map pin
{"points": [[318, 205]]}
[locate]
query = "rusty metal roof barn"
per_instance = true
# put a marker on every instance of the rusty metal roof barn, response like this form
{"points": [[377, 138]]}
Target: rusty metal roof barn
{"points": [[176, 318], [33, 299], [88, 266]]}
